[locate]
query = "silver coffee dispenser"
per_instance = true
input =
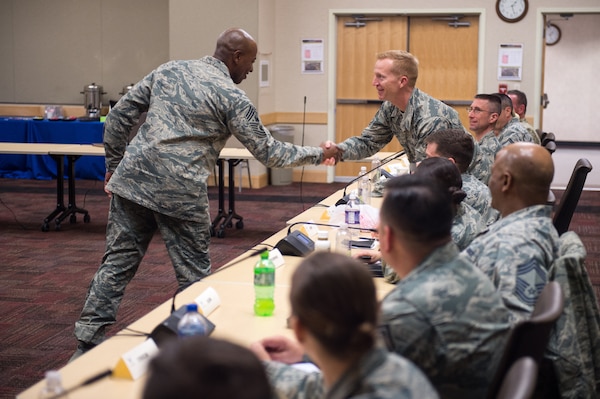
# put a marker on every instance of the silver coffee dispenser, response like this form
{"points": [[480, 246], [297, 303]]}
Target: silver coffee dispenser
{"points": [[92, 100]]}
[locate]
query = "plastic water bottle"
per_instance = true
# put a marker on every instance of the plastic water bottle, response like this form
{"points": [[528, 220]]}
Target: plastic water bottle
{"points": [[352, 215], [53, 385], [342, 239], [264, 286], [375, 171], [364, 186], [191, 323]]}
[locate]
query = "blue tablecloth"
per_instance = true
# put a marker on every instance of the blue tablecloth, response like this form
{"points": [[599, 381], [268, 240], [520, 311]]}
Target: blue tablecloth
{"points": [[43, 131]]}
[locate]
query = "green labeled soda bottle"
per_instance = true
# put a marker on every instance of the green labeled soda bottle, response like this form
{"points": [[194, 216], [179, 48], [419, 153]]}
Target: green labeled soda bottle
{"points": [[264, 286]]}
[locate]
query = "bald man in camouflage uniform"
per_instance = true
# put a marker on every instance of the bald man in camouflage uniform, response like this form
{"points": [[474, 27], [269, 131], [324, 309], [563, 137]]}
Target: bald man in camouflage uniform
{"points": [[517, 251], [158, 181], [406, 113]]}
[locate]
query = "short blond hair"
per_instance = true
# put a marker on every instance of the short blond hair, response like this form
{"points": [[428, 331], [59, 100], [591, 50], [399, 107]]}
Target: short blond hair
{"points": [[404, 63]]}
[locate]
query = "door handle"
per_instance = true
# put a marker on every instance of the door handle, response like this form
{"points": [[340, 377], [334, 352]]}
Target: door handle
{"points": [[545, 101]]}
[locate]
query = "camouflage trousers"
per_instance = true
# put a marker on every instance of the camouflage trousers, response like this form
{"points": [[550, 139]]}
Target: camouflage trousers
{"points": [[129, 231]]}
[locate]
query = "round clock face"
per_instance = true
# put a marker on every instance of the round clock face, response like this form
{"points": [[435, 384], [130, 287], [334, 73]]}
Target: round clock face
{"points": [[552, 34], [511, 10]]}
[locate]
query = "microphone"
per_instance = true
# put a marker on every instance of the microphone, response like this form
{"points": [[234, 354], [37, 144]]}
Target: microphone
{"points": [[91, 380], [329, 225], [344, 199], [250, 255], [298, 244], [168, 328]]}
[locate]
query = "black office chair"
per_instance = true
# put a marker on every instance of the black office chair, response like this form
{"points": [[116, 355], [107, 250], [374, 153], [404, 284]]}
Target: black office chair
{"points": [[547, 138], [530, 338], [568, 203], [519, 382], [541, 134], [550, 146]]}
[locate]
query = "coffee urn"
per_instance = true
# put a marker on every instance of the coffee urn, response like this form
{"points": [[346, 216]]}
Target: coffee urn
{"points": [[92, 100], [127, 88]]}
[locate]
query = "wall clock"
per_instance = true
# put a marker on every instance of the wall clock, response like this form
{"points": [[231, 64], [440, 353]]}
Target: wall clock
{"points": [[552, 34], [512, 10]]}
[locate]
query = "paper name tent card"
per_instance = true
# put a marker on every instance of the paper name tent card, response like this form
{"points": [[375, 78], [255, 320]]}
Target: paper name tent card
{"points": [[134, 363]]}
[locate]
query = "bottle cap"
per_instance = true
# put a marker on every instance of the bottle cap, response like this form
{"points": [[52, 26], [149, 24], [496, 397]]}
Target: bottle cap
{"points": [[264, 255], [323, 235], [53, 375], [343, 225], [192, 307]]}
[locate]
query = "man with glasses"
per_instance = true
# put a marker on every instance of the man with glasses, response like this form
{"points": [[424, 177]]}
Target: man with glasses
{"points": [[483, 114]]}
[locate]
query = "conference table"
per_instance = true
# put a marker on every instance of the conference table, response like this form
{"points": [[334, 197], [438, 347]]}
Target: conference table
{"points": [[58, 153], [78, 152], [234, 320]]}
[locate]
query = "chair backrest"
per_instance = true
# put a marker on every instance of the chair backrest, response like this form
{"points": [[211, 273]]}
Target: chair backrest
{"points": [[568, 203], [530, 338], [551, 146], [541, 134], [519, 382], [547, 138]]}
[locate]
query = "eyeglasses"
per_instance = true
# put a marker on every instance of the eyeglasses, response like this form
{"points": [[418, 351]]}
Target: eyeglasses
{"points": [[476, 110]]}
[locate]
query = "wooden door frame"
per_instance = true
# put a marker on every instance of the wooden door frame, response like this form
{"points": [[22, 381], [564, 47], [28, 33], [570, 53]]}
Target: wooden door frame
{"points": [[539, 52], [332, 53]]}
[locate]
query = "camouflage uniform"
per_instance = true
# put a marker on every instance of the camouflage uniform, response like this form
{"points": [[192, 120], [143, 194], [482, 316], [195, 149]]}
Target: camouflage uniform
{"points": [[479, 197], [516, 253], [378, 375], [159, 179], [446, 317], [574, 347], [513, 132], [466, 225], [423, 116], [484, 156], [531, 131]]}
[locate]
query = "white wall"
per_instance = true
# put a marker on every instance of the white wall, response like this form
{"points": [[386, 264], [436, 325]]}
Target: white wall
{"points": [[571, 79]]}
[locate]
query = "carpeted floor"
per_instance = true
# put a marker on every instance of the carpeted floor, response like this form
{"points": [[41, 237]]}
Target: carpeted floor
{"points": [[44, 275]]}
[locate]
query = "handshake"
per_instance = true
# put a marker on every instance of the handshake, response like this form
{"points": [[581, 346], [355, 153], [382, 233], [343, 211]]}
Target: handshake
{"points": [[332, 154]]}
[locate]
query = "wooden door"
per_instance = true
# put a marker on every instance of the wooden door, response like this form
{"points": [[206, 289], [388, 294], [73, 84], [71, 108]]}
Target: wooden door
{"points": [[447, 60], [447, 68], [356, 98]]}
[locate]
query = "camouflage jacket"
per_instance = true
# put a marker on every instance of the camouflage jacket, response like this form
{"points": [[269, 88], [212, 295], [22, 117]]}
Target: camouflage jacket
{"points": [[193, 108], [574, 347], [516, 253], [531, 131], [378, 375], [447, 318], [466, 225], [479, 197], [513, 132], [423, 116], [484, 156]]}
